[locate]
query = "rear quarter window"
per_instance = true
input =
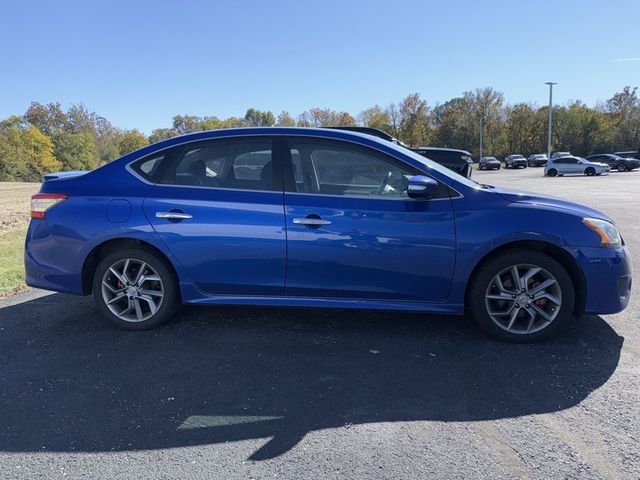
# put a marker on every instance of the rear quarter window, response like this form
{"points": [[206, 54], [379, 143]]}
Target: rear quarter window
{"points": [[151, 167]]}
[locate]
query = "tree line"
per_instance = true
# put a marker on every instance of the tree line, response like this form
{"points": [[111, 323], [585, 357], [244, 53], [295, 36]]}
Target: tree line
{"points": [[46, 138]]}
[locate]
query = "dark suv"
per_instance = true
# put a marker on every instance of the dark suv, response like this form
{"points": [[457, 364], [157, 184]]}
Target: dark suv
{"points": [[515, 161], [615, 161], [457, 160]]}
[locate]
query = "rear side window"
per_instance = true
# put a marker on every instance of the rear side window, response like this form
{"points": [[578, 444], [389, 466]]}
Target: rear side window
{"points": [[151, 167], [242, 164]]}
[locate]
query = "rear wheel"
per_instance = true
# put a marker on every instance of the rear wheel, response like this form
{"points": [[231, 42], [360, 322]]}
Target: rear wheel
{"points": [[522, 296], [622, 167], [135, 289], [590, 171], [552, 172]]}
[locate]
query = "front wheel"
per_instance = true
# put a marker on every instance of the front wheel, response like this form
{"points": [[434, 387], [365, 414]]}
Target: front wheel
{"points": [[590, 171], [134, 289], [522, 296], [552, 172], [622, 167]]}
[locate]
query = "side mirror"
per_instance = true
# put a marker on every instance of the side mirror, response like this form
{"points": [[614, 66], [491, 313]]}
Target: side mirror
{"points": [[421, 186]]}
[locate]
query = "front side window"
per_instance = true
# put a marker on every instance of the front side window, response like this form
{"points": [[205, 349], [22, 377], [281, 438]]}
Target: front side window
{"points": [[237, 164], [334, 168]]}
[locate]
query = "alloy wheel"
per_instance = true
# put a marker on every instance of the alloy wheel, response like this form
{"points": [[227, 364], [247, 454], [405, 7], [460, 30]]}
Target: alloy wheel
{"points": [[523, 299], [132, 290]]}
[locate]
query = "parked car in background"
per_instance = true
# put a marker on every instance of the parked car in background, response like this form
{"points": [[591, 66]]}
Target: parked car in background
{"points": [[515, 161], [489, 163], [560, 154], [372, 131], [537, 160], [616, 161], [457, 160], [628, 154], [310, 217], [574, 165]]}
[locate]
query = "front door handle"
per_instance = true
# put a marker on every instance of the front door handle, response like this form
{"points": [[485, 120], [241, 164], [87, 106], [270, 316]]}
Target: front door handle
{"points": [[173, 215], [311, 221]]}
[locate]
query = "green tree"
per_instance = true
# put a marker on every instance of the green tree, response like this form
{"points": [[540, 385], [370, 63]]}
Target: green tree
{"points": [[160, 134], [130, 141], [257, 118], [76, 151]]}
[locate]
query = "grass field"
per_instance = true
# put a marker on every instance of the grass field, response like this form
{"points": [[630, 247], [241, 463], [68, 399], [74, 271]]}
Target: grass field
{"points": [[14, 218]]}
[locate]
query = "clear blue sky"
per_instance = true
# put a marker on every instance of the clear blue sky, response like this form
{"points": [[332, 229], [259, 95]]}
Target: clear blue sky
{"points": [[138, 63]]}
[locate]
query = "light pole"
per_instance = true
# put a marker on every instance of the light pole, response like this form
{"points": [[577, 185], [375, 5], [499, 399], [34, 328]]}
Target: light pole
{"points": [[481, 119], [551, 84]]}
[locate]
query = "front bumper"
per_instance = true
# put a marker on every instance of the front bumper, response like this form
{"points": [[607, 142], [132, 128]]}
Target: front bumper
{"points": [[607, 273]]}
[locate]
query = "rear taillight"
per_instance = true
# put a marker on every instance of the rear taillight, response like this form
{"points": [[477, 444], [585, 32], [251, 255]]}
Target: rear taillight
{"points": [[41, 202]]}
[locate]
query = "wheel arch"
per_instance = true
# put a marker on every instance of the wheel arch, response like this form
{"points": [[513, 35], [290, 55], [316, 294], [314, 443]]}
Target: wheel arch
{"points": [[103, 249], [554, 251]]}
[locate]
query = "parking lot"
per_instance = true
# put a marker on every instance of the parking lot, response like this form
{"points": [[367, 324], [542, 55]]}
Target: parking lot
{"points": [[291, 393]]}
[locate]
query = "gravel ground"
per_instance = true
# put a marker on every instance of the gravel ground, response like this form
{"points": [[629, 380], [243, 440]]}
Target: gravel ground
{"points": [[283, 393]]}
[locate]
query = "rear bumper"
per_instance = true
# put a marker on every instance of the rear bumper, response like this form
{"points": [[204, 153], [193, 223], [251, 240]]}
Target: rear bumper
{"points": [[607, 274], [49, 263]]}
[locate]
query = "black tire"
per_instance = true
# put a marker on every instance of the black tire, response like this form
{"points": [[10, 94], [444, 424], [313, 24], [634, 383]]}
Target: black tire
{"points": [[480, 167], [171, 295], [481, 281], [622, 167], [498, 167], [552, 172], [590, 171]]}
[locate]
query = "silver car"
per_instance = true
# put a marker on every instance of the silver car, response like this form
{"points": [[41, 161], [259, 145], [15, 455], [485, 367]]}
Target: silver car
{"points": [[574, 165]]}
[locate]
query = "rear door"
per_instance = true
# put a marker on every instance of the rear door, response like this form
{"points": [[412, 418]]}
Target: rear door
{"points": [[354, 233], [219, 209]]}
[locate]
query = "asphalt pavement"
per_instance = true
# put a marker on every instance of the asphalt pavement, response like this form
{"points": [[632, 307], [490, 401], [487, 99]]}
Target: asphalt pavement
{"points": [[299, 393]]}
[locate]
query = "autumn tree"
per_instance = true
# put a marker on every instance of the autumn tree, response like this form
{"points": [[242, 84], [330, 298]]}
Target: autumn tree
{"points": [[26, 154], [414, 120], [375, 117], [285, 120]]}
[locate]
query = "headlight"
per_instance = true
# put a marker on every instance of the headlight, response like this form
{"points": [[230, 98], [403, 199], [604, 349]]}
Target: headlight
{"points": [[608, 233]]}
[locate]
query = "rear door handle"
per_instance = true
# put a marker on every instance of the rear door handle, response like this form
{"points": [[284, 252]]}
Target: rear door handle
{"points": [[313, 222], [173, 215]]}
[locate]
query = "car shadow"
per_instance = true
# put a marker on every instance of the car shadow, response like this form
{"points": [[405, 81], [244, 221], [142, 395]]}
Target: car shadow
{"points": [[71, 382]]}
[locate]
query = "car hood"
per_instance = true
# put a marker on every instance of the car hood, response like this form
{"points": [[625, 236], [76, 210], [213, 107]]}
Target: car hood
{"points": [[518, 196]]}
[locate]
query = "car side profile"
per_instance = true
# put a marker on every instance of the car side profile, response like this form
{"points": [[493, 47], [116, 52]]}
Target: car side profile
{"points": [[574, 166], [537, 160], [515, 161], [615, 161], [307, 217], [489, 163]]}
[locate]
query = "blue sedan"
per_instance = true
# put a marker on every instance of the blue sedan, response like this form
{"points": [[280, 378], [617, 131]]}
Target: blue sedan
{"points": [[318, 218]]}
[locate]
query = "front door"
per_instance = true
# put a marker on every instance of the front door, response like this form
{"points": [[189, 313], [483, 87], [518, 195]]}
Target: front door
{"points": [[354, 233], [219, 209]]}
